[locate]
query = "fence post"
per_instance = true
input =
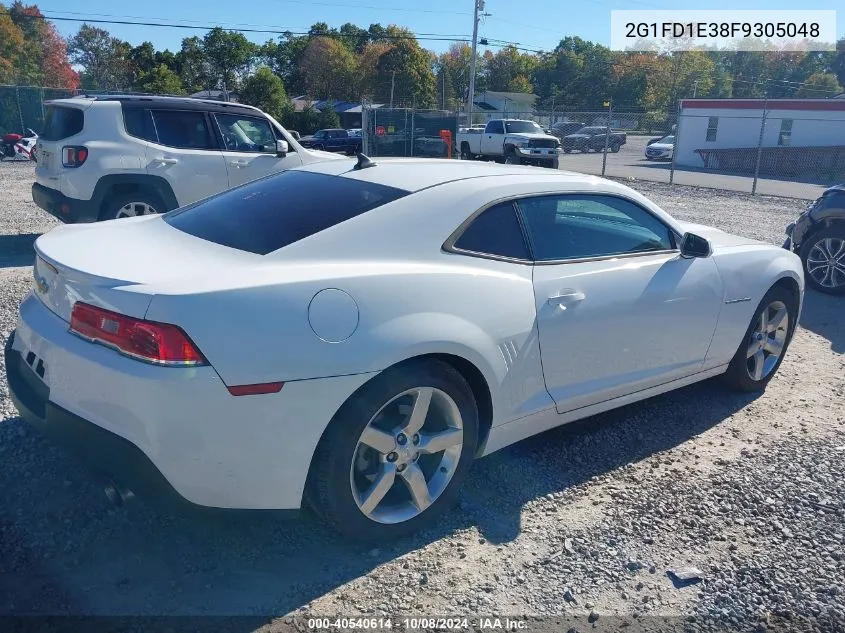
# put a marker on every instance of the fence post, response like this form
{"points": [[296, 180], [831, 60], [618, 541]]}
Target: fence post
{"points": [[412, 132], [20, 111], [760, 143], [675, 144], [607, 136]]}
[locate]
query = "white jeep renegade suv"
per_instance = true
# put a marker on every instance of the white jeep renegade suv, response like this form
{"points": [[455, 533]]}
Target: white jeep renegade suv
{"points": [[102, 158]]}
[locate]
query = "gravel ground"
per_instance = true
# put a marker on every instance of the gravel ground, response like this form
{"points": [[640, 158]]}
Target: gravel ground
{"points": [[581, 525]]}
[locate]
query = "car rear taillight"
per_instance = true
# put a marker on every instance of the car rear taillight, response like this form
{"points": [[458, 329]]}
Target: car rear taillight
{"points": [[151, 342], [74, 155]]}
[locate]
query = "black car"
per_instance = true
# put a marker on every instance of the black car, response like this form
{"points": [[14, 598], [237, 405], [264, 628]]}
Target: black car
{"points": [[332, 141], [594, 138], [565, 128], [818, 237]]}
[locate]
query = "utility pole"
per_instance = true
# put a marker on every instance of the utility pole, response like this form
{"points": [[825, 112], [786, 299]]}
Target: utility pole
{"points": [[760, 142], [479, 6], [392, 82], [694, 88]]}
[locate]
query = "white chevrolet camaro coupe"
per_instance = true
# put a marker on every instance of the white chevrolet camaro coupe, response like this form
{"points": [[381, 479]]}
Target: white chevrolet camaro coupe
{"points": [[350, 335]]}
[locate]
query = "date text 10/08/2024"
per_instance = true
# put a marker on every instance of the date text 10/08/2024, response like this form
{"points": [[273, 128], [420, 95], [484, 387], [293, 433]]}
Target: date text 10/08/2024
{"points": [[410, 624]]}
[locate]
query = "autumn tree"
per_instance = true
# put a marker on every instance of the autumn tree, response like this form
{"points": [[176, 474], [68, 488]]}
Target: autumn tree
{"points": [[31, 50], [328, 70]]}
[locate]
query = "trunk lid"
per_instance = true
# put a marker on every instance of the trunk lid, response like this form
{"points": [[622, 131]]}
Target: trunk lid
{"points": [[115, 265]]}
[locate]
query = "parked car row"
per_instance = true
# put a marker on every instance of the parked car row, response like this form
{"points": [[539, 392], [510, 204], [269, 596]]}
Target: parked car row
{"points": [[346, 334]]}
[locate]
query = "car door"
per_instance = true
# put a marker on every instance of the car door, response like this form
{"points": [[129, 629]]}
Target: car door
{"points": [[186, 154], [618, 309], [249, 148], [493, 139]]}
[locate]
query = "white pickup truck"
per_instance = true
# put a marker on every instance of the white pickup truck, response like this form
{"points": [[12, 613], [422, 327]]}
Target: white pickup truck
{"points": [[510, 140]]}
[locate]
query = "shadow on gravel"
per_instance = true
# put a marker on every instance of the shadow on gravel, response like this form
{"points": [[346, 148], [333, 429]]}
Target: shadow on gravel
{"points": [[17, 250], [66, 551], [825, 315]]}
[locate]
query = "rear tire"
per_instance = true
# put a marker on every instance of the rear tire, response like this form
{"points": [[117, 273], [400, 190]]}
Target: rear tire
{"points": [[828, 245], [131, 205], [346, 469], [765, 342], [465, 153], [614, 148]]}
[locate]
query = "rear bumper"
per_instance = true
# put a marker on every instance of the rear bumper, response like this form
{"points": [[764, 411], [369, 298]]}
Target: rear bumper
{"points": [[69, 210], [104, 453], [173, 435]]}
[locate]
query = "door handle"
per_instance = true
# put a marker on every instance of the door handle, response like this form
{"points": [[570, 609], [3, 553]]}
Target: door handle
{"points": [[238, 163], [167, 161], [567, 296]]}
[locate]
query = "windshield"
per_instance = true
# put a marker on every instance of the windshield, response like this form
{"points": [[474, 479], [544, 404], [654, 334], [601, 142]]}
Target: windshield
{"points": [[515, 127], [320, 134], [592, 130], [667, 139]]}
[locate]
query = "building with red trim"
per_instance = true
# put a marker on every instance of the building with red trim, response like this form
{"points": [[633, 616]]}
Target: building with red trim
{"points": [[724, 134]]}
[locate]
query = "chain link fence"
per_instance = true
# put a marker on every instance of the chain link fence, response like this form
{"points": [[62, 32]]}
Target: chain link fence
{"points": [[778, 147], [768, 151]]}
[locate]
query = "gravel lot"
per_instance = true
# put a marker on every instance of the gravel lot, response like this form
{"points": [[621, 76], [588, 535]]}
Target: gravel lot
{"points": [[582, 523]]}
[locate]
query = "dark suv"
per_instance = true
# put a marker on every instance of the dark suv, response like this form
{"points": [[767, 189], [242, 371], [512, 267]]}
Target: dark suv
{"points": [[818, 236]]}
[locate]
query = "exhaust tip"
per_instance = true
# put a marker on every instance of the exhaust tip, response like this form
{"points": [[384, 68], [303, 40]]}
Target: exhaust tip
{"points": [[116, 494]]}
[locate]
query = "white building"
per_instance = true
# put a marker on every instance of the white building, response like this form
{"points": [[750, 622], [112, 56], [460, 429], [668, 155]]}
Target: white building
{"points": [[714, 124]]}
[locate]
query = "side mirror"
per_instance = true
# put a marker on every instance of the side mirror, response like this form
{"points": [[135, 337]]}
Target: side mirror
{"points": [[694, 246], [282, 148]]}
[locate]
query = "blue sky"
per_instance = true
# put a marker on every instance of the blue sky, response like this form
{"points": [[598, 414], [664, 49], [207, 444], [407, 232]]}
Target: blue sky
{"points": [[535, 24]]}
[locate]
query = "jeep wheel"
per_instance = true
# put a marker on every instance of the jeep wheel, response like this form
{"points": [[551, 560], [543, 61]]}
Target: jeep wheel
{"points": [[132, 205]]}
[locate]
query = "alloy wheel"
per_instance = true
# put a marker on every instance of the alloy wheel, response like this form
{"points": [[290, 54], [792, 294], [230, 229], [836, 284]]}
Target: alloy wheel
{"points": [[133, 209], [826, 262], [767, 340], [407, 455]]}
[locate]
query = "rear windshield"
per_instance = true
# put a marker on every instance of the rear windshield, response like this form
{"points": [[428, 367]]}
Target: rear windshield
{"points": [[268, 214], [61, 123]]}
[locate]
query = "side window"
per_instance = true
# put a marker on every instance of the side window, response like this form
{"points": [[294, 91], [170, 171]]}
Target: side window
{"points": [[712, 128], [139, 123], [185, 129], [246, 134], [579, 226], [495, 127], [495, 232]]}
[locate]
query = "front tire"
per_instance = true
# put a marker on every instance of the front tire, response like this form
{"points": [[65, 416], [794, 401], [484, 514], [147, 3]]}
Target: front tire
{"points": [[512, 159], [823, 257], [765, 342], [393, 457]]}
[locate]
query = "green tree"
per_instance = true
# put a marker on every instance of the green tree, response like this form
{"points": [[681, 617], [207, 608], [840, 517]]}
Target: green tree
{"points": [[265, 90], [194, 69], [307, 121], [229, 55], [508, 70], [105, 59], [11, 43], [819, 85], [283, 57], [405, 70], [160, 80], [328, 118]]}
